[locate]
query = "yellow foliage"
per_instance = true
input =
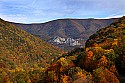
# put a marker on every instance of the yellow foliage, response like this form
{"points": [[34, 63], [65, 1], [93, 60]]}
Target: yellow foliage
{"points": [[8, 81], [63, 61], [35, 65], [31, 69], [96, 45], [4, 73], [80, 74], [64, 79], [102, 62], [72, 57], [108, 51], [97, 49], [18, 69], [12, 71], [29, 81], [115, 42], [42, 69], [87, 49]]}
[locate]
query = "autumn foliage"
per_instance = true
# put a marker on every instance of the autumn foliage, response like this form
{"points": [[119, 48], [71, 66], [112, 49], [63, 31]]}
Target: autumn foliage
{"points": [[27, 59]]}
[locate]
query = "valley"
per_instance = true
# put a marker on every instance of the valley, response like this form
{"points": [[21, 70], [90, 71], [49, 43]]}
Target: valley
{"points": [[25, 58], [75, 32]]}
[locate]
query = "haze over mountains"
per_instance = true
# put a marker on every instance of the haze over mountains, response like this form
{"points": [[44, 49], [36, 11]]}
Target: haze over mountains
{"points": [[66, 33]]}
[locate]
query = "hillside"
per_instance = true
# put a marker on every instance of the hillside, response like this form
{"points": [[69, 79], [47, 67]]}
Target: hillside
{"points": [[22, 54], [66, 33], [112, 38], [101, 61]]}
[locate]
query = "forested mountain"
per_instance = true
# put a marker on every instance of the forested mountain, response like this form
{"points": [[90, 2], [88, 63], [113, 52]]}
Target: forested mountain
{"points": [[66, 33], [21, 52], [101, 61], [112, 40]]}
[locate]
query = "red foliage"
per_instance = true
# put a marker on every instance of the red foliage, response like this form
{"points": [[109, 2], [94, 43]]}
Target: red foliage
{"points": [[52, 67], [71, 64]]}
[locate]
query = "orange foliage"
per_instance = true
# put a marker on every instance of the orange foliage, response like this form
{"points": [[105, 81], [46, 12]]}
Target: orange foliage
{"points": [[87, 49], [89, 54], [64, 79], [105, 76], [114, 70], [110, 76], [96, 45], [102, 62]]}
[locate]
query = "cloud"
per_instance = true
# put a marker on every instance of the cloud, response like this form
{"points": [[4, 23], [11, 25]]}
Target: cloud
{"points": [[115, 16], [33, 2], [44, 10], [19, 18]]}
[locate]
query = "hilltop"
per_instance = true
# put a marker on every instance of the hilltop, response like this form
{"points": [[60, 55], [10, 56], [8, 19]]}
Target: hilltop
{"points": [[66, 33]]}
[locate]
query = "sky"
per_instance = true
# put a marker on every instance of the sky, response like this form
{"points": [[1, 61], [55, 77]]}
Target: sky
{"points": [[40, 11]]}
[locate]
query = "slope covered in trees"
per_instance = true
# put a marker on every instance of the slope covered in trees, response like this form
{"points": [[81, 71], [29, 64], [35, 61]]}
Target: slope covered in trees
{"points": [[101, 61], [22, 54]]}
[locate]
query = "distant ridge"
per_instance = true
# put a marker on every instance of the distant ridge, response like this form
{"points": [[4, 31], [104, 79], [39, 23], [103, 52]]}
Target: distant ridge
{"points": [[77, 29]]}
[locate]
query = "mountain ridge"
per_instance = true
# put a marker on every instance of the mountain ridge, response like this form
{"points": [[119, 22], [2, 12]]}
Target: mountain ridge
{"points": [[66, 28], [101, 61]]}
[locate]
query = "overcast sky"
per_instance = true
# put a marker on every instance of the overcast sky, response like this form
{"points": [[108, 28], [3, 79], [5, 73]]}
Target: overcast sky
{"points": [[39, 11]]}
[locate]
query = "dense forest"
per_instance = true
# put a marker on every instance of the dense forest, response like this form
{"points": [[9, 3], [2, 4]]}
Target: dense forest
{"points": [[101, 61], [23, 57], [31, 60]]}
